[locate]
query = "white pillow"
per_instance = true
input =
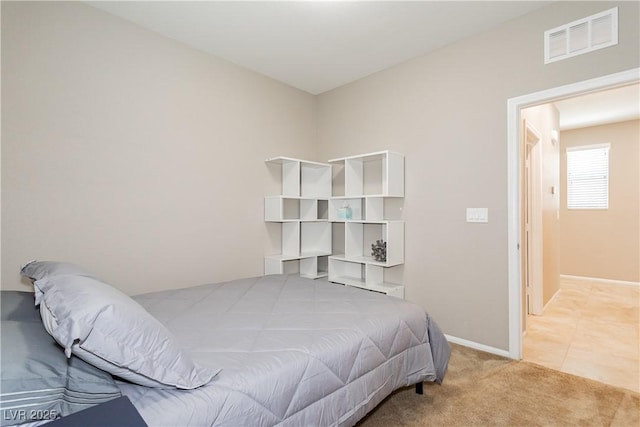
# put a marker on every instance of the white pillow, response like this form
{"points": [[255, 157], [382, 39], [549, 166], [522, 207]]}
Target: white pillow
{"points": [[109, 330], [36, 270]]}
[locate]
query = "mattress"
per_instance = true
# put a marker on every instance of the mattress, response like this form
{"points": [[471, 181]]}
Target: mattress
{"points": [[293, 352]]}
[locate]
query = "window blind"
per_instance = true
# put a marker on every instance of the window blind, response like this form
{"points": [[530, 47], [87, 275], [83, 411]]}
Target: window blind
{"points": [[588, 177]]}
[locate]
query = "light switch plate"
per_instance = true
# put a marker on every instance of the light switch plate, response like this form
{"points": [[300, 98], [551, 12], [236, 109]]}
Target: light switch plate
{"points": [[477, 214]]}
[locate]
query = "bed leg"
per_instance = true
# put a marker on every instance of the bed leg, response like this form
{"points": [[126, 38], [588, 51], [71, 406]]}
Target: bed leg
{"points": [[419, 388]]}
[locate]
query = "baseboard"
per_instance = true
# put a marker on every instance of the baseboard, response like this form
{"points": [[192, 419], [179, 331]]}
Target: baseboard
{"points": [[478, 346], [550, 301], [599, 280]]}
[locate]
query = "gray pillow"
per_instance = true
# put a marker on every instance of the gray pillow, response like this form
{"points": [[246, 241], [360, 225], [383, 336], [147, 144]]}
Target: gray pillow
{"points": [[108, 329], [36, 270], [39, 382]]}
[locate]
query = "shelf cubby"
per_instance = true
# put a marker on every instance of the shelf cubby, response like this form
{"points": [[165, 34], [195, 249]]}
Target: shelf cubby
{"points": [[360, 235], [303, 178], [314, 267], [374, 174], [315, 237], [367, 208], [363, 276], [285, 208]]}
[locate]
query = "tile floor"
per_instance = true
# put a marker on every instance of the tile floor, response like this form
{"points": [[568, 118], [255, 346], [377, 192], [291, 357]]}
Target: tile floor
{"points": [[589, 329]]}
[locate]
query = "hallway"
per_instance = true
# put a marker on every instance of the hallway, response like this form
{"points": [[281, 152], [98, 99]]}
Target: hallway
{"points": [[589, 329]]}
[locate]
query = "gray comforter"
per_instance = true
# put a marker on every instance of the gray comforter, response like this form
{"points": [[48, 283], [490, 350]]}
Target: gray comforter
{"points": [[293, 352]]}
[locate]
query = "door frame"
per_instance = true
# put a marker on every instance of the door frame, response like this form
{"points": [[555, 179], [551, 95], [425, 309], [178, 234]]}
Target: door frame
{"points": [[514, 182]]}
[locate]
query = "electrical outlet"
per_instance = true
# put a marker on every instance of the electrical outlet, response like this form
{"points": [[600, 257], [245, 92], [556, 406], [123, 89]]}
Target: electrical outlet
{"points": [[477, 214]]}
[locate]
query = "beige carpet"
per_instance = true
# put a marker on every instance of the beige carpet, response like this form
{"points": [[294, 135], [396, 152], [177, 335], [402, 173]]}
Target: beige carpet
{"points": [[481, 389]]}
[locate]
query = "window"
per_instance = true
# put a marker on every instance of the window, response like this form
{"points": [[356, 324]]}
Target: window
{"points": [[588, 177]]}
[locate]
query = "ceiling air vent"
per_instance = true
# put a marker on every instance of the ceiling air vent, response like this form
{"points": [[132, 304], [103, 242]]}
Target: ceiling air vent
{"points": [[581, 36]]}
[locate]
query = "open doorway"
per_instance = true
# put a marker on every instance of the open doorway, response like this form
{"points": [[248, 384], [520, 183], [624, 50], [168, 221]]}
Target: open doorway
{"points": [[514, 107], [528, 141]]}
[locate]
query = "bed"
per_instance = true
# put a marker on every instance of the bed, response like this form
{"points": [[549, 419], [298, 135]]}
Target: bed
{"points": [[288, 351]]}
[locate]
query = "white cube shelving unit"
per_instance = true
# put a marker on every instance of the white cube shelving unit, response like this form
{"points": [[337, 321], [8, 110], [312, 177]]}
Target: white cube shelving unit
{"points": [[370, 182], [302, 210]]}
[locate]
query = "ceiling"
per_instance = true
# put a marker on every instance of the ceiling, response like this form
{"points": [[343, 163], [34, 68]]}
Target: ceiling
{"points": [[317, 46], [613, 105]]}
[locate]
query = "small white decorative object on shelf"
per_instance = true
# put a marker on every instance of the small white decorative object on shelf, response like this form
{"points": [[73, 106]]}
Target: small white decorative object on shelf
{"points": [[344, 212]]}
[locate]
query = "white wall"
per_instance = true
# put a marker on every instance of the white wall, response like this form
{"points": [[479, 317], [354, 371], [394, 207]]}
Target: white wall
{"points": [[134, 155], [447, 112]]}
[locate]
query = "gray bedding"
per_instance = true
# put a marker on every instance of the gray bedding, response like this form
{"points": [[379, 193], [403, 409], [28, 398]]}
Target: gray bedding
{"points": [[37, 381], [293, 352]]}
